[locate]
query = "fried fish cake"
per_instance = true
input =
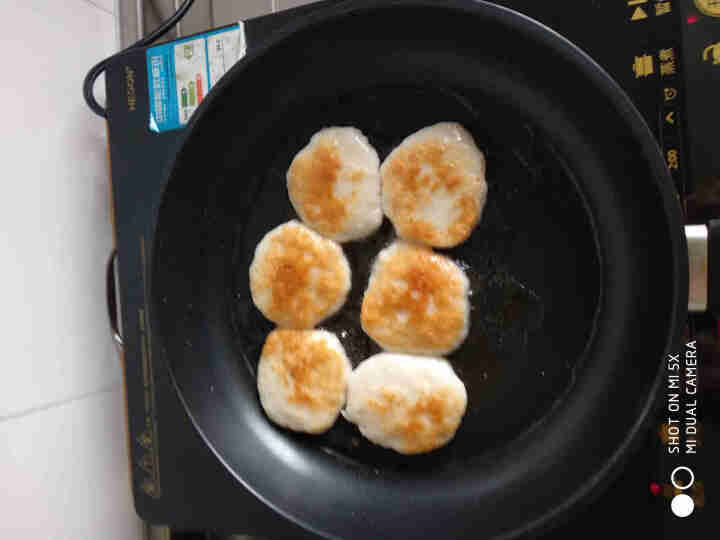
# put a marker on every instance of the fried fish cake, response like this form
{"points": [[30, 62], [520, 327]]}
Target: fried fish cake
{"points": [[433, 186], [297, 277], [412, 404], [334, 184], [302, 379], [416, 301]]}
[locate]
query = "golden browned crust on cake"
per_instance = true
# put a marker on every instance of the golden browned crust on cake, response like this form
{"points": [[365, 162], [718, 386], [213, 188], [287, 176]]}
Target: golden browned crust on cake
{"points": [[415, 302], [414, 175], [312, 372], [306, 275], [311, 182], [420, 426]]}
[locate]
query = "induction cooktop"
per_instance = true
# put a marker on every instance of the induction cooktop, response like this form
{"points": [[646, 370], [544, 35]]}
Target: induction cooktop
{"points": [[664, 54]]}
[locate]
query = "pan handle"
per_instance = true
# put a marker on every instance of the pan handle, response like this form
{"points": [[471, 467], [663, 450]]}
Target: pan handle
{"points": [[111, 294], [704, 259]]}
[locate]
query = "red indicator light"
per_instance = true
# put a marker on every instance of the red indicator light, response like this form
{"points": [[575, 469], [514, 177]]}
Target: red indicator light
{"points": [[655, 489], [692, 19]]}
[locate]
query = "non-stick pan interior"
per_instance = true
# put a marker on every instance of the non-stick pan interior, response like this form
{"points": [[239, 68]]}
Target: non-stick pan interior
{"points": [[577, 267]]}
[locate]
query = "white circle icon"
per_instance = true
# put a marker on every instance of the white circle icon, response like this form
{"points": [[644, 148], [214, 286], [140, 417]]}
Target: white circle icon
{"points": [[674, 481], [682, 505]]}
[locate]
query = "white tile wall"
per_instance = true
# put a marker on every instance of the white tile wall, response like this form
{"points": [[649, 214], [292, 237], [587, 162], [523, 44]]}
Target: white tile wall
{"points": [[62, 435], [65, 473], [54, 223], [105, 5]]}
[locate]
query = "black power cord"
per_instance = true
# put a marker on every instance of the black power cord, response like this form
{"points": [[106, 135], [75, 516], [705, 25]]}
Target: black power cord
{"points": [[98, 68]]}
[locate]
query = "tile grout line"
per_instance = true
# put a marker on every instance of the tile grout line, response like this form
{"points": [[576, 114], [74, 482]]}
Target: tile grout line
{"points": [[60, 403], [101, 8]]}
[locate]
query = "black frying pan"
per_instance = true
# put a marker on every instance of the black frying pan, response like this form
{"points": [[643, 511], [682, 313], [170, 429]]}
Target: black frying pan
{"points": [[579, 267]]}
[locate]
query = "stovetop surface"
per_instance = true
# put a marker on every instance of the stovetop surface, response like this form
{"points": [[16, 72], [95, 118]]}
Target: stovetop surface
{"points": [[656, 55]]}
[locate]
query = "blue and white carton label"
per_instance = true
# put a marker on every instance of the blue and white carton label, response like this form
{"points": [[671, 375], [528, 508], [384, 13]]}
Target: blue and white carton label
{"points": [[181, 73]]}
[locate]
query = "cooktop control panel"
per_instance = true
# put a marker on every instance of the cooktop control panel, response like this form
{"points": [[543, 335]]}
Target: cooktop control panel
{"points": [[701, 58]]}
